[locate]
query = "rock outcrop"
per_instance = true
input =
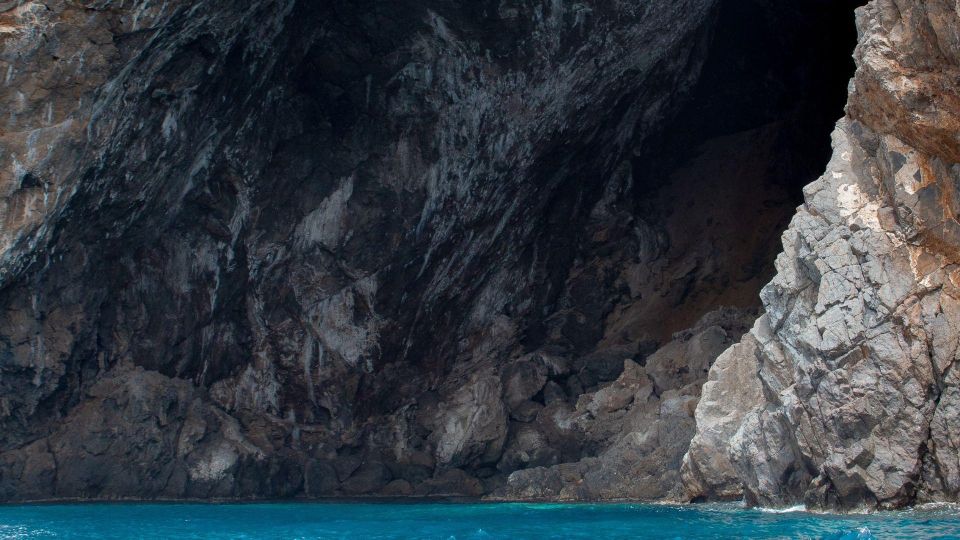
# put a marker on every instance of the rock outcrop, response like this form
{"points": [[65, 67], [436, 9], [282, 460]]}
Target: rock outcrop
{"points": [[845, 393]]}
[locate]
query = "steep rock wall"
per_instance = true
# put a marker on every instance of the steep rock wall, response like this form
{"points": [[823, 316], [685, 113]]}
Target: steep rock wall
{"points": [[277, 248], [844, 394], [295, 248]]}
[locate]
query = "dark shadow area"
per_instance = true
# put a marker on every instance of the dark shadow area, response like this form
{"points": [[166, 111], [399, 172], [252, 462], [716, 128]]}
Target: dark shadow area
{"points": [[723, 178], [675, 249]]}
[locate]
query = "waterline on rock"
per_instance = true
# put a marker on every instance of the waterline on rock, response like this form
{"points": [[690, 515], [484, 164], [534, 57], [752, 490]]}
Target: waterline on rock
{"points": [[458, 520]]}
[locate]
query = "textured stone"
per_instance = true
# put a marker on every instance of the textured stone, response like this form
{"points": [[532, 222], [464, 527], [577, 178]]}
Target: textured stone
{"points": [[474, 427], [369, 478], [522, 380], [285, 247], [843, 395], [261, 241], [636, 437]]}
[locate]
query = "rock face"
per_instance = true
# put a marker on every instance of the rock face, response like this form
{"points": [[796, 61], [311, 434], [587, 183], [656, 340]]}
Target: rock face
{"points": [[845, 393], [282, 248]]}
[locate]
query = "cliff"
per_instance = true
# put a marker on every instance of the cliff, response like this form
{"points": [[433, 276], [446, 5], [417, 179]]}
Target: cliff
{"points": [[283, 248]]}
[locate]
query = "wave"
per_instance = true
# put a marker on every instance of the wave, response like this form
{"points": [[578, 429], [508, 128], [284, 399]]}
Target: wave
{"points": [[784, 510]]}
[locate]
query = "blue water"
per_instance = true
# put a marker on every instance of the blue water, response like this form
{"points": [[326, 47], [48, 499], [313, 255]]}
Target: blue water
{"points": [[458, 521]]}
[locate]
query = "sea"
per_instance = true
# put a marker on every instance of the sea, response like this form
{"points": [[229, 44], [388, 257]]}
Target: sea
{"points": [[458, 520]]}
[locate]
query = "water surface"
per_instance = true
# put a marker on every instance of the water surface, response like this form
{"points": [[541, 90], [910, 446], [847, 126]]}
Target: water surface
{"points": [[459, 521]]}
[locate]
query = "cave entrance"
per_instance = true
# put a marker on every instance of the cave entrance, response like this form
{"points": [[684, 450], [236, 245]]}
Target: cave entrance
{"points": [[711, 194], [722, 180]]}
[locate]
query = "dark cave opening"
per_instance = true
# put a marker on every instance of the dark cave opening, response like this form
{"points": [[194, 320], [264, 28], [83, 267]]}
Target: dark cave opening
{"points": [[709, 196], [365, 266], [659, 259], [721, 180]]}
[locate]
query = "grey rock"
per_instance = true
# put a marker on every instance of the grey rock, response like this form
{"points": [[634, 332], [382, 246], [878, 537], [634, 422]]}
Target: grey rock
{"points": [[843, 395], [635, 437], [686, 360], [451, 482], [397, 488], [320, 478], [553, 393], [245, 254], [526, 411], [528, 448], [473, 426], [369, 478], [522, 380]]}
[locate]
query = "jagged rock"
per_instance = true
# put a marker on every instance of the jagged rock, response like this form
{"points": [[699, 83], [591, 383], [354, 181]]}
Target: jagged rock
{"points": [[473, 428], [553, 393], [731, 389], [397, 488], [528, 448], [311, 246], [686, 360], [320, 478], [369, 478], [522, 380], [843, 394], [637, 437], [451, 482], [526, 411], [632, 385]]}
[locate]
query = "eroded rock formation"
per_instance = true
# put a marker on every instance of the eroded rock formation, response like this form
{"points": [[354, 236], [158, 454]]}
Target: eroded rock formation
{"points": [[489, 248], [845, 393]]}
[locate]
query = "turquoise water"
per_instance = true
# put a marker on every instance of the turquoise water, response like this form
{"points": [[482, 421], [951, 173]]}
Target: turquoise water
{"points": [[458, 521]]}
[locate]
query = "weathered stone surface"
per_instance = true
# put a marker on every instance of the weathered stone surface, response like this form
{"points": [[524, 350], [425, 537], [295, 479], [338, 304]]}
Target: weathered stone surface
{"points": [[287, 247], [844, 394], [522, 380], [369, 478], [473, 429], [731, 390], [279, 248], [636, 430]]}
